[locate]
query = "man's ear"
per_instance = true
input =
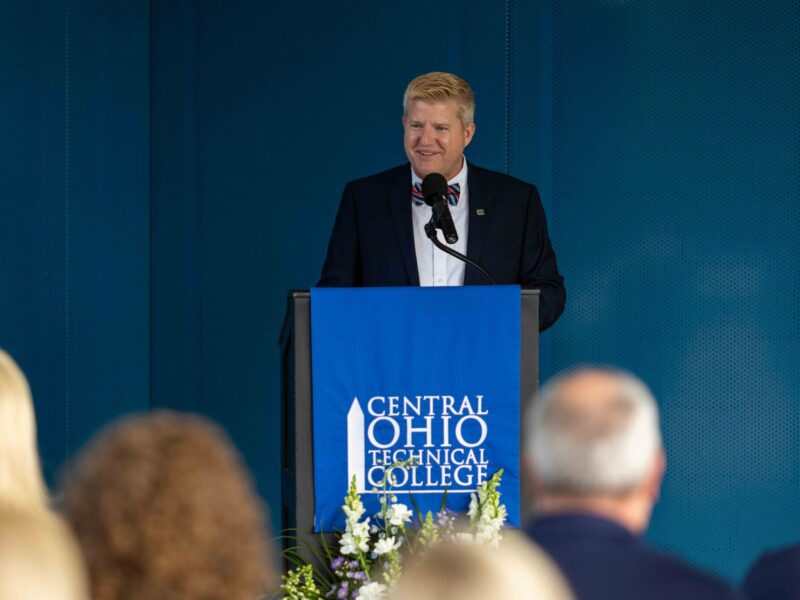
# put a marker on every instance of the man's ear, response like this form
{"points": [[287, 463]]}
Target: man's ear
{"points": [[531, 478], [657, 475], [469, 131]]}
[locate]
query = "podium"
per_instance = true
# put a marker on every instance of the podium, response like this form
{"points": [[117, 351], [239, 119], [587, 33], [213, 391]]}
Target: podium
{"points": [[297, 452]]}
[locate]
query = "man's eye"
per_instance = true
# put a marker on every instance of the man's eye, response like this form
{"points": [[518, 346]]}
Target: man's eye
{"points": [[441, 129]]}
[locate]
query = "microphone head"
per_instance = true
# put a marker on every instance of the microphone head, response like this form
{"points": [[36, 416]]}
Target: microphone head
{"points": [[433, 185]]}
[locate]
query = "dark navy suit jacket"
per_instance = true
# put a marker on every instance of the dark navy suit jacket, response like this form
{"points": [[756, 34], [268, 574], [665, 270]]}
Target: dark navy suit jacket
{"points": [[775, 576], [372, 243], [604, 561]]}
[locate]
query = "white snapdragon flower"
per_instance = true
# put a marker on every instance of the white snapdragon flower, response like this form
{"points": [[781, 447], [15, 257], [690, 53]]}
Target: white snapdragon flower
{"points": [[356, 540], [354, 513], [486, 513], [464, 538], [356, 536], [397, 514], [385, 545], [489, 532], [372, 591], [490, 525], [348, 544], [474, 507], [360, 530]]}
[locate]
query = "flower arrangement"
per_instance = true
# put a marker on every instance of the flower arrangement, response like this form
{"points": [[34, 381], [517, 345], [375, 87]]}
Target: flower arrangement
{"points": [[369, 557]]}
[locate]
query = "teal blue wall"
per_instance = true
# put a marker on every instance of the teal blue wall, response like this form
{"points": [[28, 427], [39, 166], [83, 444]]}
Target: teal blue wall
{"points": [[169, 171], [74, 234], [676, 170]]}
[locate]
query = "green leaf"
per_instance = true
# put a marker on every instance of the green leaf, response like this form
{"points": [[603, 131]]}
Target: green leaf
{"points": [[414, 504]]}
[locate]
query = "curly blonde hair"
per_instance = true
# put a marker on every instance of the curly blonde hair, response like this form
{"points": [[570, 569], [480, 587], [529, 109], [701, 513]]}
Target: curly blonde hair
{"points": [[438, 86], [164, 508], [21, 481]]}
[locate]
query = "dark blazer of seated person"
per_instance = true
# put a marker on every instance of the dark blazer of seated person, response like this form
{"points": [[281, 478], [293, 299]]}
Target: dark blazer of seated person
{"points": [[775, 576], [372, 243], [596, 461], [602, 560]]}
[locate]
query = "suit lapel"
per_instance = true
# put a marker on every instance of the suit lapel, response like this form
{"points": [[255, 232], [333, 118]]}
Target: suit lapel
{"points": [[400, 207], [480, 214]]}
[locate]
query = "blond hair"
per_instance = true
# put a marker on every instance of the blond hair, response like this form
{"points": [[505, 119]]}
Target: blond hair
{"points": [[21, 481], [441, 87], [164, 508], [39, 557], [516, 570]]}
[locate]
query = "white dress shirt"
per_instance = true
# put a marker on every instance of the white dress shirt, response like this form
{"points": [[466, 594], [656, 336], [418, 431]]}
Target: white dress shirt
{"points": [[437, 268]]}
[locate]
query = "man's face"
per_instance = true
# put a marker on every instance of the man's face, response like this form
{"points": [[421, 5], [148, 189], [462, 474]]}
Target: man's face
{"points": [[435, 138]]}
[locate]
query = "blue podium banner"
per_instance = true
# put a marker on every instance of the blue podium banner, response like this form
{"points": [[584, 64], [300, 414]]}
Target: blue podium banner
{"points": [[430, 374]]}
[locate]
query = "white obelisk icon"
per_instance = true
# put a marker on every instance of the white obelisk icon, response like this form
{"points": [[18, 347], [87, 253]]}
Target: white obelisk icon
{"points": [[355, 445]]}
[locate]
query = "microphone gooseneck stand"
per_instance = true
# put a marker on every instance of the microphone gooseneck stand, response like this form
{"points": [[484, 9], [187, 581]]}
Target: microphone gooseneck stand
{"points": [[430, 231]]}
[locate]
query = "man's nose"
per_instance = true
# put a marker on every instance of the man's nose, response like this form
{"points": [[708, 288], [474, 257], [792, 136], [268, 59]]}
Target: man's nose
{"points": [[428, 135]]}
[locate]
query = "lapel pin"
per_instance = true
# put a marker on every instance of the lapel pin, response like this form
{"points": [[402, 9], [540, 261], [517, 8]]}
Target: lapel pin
{"points": [[480, 212]]}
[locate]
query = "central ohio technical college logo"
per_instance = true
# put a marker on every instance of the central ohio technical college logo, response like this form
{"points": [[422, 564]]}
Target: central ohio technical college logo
{"points": [[444, 435]]}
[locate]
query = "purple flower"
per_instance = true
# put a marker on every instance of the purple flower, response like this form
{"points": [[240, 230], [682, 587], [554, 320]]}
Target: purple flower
{"points": [[343, 592], [337, 563], [356, 575], [353, 564], [443, 517]]}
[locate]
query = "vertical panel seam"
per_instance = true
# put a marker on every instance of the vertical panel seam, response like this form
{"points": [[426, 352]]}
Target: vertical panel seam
{"points": [[508, 86], [66, 235], [150, 208], [197, 187]]}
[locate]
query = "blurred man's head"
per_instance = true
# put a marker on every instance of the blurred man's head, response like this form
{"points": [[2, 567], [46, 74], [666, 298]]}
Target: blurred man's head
{"points": [[593, 444], [438, 112]]}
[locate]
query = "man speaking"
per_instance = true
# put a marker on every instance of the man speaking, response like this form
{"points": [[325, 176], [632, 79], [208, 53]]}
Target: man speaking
{"points": [[379, 235]]}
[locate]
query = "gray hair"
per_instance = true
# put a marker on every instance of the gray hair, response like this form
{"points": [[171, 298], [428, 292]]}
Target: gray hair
{"points": [[600, 444]]}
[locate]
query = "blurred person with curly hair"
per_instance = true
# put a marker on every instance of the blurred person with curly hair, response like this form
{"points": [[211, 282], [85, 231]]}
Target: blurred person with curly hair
{"points": [[164, 508], [39, 558], [21, 481]]}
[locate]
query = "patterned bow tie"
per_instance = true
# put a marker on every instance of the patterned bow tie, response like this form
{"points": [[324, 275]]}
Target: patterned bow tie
{"points": [[453, 192]]}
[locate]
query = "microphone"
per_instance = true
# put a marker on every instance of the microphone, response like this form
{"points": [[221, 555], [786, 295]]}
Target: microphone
{"points": [[434, 190]]}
